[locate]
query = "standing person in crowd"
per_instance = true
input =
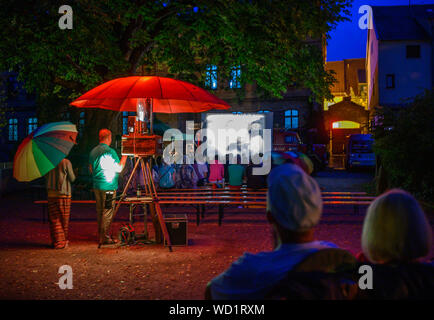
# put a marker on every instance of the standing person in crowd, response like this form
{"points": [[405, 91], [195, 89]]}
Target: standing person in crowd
{"points": [[216, 173], [294, 209], [188, 177], [255, 181], [58, 183], [201, 169], [105, 167], [226, 166], [178, 179], [237, 174]]}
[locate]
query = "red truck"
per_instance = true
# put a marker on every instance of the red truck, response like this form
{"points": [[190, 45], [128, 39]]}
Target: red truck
{"points": [[286, 140]]}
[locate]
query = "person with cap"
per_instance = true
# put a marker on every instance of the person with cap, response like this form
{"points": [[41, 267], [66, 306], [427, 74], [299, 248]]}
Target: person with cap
{"points": [[294, 208]]}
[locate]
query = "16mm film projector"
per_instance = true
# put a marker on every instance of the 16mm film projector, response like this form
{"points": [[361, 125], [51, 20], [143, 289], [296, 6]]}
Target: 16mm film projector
{"points": [[142, 144]]}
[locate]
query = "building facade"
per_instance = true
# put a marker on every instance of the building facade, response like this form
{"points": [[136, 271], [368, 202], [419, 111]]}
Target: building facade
{"points": [[17, 115], [399, 54], [347, 113]]}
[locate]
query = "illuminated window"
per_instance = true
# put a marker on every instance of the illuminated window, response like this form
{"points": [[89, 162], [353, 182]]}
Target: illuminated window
{"points": [[81, 123], [32, 124], [211, 77], [237, 112], [13, 129], [234, 83], [263, 111], [345, 125], [291, 139], [291, 119]]}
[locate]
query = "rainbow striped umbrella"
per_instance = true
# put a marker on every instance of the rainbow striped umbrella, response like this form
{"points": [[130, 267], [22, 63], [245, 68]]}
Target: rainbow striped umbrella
{"points": [[43, 150]]}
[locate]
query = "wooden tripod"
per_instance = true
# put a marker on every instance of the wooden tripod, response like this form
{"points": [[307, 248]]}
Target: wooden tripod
{"points": [[150, 191]]}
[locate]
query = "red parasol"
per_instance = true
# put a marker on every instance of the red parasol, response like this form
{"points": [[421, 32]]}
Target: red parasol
{"points": [[168, 96]]}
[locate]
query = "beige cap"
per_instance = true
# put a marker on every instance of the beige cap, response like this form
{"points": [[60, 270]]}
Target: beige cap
{"points": [[294, 198]]}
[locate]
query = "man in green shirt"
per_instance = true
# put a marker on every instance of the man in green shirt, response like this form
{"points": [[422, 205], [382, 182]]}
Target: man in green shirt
{"points": [[105, 167]]}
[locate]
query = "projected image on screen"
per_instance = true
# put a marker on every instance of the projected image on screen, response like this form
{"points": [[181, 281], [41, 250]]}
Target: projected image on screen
{"points": [[237, 134]]}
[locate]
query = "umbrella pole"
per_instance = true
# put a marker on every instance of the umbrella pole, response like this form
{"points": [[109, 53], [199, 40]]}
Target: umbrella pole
{"points": [[151, 117], [149, 106]]}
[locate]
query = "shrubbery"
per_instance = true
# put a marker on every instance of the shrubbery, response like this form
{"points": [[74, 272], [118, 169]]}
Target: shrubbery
{"points": [[404, 142]]}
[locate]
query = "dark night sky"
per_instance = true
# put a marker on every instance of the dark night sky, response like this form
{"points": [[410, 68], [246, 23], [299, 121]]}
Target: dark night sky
{"points": [[347, 40]]}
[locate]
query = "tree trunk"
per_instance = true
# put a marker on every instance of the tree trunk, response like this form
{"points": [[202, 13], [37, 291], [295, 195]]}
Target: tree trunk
{"points": [[97, 119]]}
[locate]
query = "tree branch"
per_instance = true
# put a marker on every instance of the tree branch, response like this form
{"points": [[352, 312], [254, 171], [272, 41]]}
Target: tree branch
{"points": [[68, 84], [76, 65]]}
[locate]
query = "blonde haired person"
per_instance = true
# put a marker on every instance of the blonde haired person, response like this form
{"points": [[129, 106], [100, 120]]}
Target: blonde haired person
{"points": [[396, 237], [395, 229]]}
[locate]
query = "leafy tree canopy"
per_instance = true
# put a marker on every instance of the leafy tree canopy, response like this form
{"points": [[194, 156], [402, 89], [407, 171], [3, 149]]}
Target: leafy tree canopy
{"points": [[113, 38]]}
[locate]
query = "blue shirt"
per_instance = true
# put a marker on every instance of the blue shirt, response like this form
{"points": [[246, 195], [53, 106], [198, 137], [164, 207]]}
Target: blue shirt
{"points": [[253, 275]]}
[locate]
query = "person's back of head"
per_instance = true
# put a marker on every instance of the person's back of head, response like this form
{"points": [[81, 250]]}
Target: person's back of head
{"points": [[395, 229], [294, 203], [105, 136], [216, 159]]}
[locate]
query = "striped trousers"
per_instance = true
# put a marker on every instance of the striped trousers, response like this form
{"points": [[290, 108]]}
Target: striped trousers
{"points": [[58, 217]]}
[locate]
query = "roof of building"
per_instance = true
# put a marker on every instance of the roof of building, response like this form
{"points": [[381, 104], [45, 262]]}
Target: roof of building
{"points": [[402, 22]]}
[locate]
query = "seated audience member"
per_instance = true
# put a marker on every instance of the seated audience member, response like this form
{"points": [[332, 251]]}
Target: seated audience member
{"points": [[395, 229], [237, 173], [226, 166], [216, 173], [255, 181], [156, 164], [294, 209], [396, 237], [167, 176], [188, 177]]}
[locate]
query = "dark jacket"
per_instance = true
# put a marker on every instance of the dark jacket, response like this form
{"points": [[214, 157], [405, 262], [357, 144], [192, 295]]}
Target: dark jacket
{"points": [[255, 181], [332, 274], [397, 282], [58, 180]]}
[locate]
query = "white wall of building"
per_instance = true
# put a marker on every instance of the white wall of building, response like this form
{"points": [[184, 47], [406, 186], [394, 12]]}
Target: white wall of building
{"points": [[412, 75]]}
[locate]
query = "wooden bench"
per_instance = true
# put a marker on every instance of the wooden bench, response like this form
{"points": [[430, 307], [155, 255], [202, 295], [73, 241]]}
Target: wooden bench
{"points": [[207, 196], [223, 197], [129, 202]]}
